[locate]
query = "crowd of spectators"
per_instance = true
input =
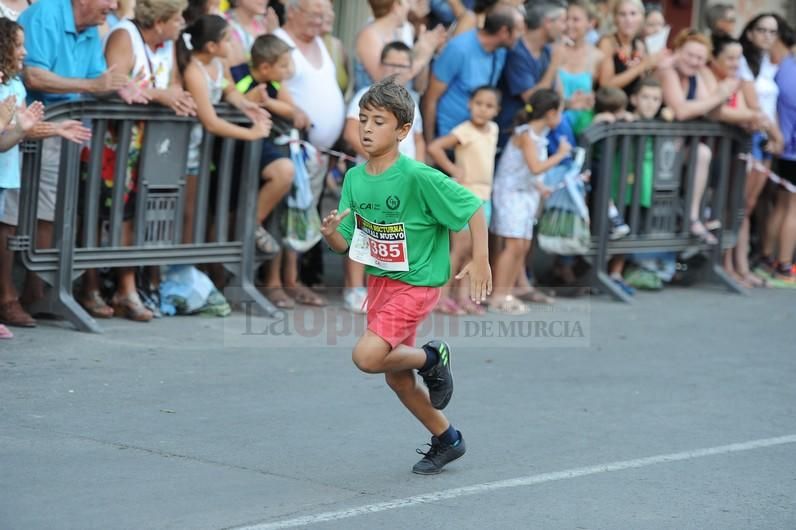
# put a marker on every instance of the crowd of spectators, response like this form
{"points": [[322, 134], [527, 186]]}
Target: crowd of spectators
{"points": [[503, 90]]}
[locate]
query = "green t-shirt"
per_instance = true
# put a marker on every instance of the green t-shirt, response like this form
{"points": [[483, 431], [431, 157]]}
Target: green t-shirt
{"points": [[416, 200]]}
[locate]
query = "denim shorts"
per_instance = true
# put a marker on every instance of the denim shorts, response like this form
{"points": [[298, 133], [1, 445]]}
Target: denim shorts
{"points": [[758, 141]]}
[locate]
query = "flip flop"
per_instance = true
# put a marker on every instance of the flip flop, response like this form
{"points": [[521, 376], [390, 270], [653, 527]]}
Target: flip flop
{"points": [[96, 306], [471, 308], [509, 306], [5, 333]]}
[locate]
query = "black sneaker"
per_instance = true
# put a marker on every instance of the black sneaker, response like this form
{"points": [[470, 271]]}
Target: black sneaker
{"points": [[439, 378], [438, 456]]}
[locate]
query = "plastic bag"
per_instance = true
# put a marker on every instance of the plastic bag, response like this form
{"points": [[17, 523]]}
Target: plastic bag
{"points": [[564, 226], [184, 290], [563, 232], [301, 228]]}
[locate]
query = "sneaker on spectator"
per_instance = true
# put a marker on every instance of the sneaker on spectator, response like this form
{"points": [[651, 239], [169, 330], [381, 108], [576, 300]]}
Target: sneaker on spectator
{"points": [[619, 228], [355, 300]]}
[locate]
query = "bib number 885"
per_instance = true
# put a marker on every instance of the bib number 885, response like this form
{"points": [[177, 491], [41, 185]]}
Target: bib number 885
{"points": [[385, 251]]}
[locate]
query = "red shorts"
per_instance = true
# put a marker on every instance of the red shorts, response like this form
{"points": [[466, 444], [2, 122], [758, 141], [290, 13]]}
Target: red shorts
{"points": [[396, 309]]}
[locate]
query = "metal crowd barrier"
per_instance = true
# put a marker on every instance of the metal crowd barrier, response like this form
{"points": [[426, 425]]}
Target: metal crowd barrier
{"points": [[159, 204], [664, 226]]}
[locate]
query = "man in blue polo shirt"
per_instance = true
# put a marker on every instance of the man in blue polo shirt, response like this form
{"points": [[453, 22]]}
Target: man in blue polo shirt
{"points": [[527, 62], [64, 61], [470, 60]]}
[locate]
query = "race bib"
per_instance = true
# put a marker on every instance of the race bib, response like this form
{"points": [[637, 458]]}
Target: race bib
{"points": [[379, 245]]}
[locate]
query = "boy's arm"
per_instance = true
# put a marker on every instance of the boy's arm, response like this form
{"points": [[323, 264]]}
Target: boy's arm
{"points": [[478, 269]]}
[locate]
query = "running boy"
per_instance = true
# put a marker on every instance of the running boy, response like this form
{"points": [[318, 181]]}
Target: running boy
{"points": [[394, 216]]}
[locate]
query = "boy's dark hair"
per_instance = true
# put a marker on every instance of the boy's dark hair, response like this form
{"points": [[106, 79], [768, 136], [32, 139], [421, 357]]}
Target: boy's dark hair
{"points": [[499, 17], [486, 88], [267, 49], [541, 102], [390, 96], [398, 46], [206, 29], [610, 99], [648, 81], [8, 48]]}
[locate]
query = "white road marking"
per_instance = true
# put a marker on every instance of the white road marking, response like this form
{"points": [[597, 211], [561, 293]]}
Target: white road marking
{"points": [[530, 480]]}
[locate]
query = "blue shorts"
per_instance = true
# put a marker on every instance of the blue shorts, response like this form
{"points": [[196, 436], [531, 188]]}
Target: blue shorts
{"points": [[2, 201], [758, 141]]}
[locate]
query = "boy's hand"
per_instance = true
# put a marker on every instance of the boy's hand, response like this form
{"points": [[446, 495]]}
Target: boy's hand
{"points": [[480, 279], [332, 221]]}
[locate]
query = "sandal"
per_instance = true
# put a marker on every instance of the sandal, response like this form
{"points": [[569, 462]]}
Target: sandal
{"points": [[5, 333], [265, 242], [130, 307], [471, 308], [699, 231], [753, 280], [12, 314], [96, 306], [278, 297], [447, 306], [536, 296], [304, 296], [509, 306]]}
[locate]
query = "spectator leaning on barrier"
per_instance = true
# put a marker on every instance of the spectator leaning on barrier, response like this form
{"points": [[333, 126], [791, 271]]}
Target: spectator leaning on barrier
{"points": [[315, 90], [757, 71], [528, 61], [688, 91], [143, 49], [64, 61], [468, 61]]}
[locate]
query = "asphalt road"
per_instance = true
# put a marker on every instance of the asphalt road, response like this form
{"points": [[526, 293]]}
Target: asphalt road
{"points": [[678, 411]]}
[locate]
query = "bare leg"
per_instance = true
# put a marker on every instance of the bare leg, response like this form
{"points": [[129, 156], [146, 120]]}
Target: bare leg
{"points": [[754, 185], [372, 354], [8, 292], [508, 266], [774, 225], [278, 178], [787, 238], [354, 273], [191, 182], [34, 286], [701, 174]]}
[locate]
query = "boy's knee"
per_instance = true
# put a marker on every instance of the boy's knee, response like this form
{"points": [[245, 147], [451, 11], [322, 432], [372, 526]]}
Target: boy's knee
{"points": [[366, 362], [280, 172]]}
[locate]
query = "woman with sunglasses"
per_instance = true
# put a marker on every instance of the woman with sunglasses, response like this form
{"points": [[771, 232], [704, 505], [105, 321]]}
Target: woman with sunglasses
{"points": [[761, 92]]}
